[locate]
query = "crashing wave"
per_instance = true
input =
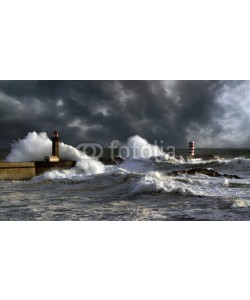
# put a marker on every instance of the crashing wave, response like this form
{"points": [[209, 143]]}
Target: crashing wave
{"points": [[35, 146]]}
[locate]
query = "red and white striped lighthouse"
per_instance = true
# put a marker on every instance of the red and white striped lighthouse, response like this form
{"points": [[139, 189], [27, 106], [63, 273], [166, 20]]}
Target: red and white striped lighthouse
{"points": [[191, 148]]}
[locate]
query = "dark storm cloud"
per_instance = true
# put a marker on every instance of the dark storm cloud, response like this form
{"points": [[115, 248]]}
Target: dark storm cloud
{"points": [[100, 111]]}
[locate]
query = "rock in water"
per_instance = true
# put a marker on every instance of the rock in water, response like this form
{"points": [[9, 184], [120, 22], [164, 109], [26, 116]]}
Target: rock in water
{"points": [[208, 172]]}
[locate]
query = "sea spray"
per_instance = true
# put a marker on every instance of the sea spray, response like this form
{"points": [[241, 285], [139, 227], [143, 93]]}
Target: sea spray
{"points": [[142, 156], [140, 148], [35, 146]]}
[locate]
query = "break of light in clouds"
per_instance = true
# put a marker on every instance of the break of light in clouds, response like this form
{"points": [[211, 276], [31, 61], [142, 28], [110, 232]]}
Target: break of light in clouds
{"points": [[213, 113]]}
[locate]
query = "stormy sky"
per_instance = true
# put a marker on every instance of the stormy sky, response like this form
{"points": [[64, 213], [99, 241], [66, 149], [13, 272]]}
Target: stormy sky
{"points": [[213, 113]]}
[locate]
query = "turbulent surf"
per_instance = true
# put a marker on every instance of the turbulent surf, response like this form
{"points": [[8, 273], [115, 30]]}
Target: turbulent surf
{"points": [[152, 186]]}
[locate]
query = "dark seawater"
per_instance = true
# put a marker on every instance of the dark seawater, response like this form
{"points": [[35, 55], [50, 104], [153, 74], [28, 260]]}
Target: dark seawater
{"points": [[140, 189]]}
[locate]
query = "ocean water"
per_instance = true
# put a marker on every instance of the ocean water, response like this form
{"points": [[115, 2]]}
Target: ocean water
{"points": [[140, 189]]}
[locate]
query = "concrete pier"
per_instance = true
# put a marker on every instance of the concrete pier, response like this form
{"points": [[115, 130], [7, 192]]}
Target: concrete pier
{"points": [[17, 171], [27, 170]]}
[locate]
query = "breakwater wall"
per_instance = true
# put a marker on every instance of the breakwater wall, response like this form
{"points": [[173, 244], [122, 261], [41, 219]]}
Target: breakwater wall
{"points": [[27, 170]]}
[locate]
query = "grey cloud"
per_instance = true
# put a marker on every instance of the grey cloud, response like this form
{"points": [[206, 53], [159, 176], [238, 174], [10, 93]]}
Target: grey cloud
{"points": [[105, 110]]}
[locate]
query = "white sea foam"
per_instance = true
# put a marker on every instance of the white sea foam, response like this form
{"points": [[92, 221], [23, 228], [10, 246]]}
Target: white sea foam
{"points": [[186, 185], [156, 182], [241, 203]]}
